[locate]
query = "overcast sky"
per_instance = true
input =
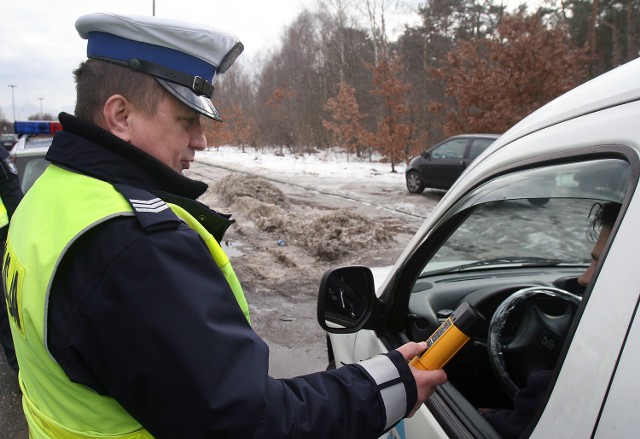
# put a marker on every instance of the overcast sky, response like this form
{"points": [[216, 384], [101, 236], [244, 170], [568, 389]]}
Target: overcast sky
{"points": [[39, 46]]}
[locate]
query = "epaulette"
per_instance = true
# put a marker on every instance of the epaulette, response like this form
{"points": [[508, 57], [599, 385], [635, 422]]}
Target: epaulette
{"points": [[152, 212], [214, 222]]}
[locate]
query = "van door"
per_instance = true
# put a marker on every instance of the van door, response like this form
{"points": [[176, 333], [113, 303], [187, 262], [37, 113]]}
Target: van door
{"points": [[619, 416]]}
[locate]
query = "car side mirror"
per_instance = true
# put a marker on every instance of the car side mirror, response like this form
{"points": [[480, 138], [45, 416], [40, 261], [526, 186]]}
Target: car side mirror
{"points": [[426, 154], [346, 299]]}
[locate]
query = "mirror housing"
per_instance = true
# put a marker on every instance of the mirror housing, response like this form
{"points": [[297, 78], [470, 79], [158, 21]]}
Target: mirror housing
{"points": [[346, 299]]}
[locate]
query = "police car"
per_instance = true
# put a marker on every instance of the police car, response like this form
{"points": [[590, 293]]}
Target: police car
{"points": [[29, 152], [513, 237]]}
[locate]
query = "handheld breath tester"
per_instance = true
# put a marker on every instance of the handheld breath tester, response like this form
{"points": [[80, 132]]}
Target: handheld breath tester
{"points": [[452, 334]]}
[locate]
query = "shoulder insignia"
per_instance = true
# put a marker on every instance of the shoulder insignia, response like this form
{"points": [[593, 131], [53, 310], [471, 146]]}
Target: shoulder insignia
{"points": [[152, 213], [154, 205]]}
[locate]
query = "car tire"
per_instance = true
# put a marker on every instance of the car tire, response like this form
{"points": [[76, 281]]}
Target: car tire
{"points": [[414, 183]]}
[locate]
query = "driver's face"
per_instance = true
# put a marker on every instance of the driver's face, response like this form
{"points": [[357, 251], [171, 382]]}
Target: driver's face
{"points": [[585, 279]]}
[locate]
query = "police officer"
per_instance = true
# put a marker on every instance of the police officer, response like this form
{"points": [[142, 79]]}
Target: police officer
{"points": [[10, 196], [132, 322]]}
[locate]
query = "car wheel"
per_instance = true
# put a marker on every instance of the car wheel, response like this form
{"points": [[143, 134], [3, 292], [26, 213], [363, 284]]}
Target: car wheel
{"points": [[414, 184]]}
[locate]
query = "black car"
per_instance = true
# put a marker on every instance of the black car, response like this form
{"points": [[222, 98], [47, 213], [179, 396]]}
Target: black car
{"points": [[440, 166]]}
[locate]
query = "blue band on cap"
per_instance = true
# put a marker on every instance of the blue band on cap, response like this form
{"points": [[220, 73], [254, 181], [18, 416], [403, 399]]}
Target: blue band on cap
{"points": [[105, 45]]}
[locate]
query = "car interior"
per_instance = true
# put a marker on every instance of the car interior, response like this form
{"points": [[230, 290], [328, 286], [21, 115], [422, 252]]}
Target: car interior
{"points": [[521, 249], [516, 249]]}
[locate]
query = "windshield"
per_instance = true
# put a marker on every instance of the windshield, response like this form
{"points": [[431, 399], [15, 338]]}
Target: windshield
{"points": [[538, 217], [38, 142]]}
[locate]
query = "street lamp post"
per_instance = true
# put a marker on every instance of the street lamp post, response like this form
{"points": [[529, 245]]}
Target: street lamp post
{"points": [[13, 102], [41, 113]]}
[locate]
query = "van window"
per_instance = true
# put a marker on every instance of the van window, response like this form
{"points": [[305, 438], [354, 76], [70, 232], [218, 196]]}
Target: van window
{"points": [[538, 213]]}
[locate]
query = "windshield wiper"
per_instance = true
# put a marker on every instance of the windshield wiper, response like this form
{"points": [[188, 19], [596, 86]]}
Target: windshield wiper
{"points": [[522, 261], [505, 260]]}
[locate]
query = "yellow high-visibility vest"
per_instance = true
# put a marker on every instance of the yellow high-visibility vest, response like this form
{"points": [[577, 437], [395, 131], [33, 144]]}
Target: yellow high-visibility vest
{"points": [[54, 406]]}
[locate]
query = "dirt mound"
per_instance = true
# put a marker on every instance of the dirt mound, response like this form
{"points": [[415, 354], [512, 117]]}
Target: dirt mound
{"points": [[341, 232], [267, 216], [327, 236], [235, 186]]}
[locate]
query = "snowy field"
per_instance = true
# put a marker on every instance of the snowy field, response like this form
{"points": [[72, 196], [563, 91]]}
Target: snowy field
{"points": [[330, 172], [326, 170]]}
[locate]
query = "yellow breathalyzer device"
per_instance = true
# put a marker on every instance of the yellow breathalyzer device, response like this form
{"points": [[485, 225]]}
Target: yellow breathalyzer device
{"points": [[452, 334]]}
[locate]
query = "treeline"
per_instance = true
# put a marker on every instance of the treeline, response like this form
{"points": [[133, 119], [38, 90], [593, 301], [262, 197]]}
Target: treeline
{"points": [[469, 66]]}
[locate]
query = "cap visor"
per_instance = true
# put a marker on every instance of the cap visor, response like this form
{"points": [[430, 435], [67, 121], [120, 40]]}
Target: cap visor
{"points": [[201, 104]]}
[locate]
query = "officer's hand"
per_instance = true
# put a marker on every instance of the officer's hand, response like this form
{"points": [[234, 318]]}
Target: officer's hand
{"points": [[426, 380]]}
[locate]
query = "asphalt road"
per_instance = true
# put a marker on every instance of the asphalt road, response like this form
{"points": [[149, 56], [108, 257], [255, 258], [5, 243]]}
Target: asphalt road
{"points": [[12, 422]]}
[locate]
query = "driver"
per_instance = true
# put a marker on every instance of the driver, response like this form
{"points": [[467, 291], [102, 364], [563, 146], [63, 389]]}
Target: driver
{"points": [[512, 423]]}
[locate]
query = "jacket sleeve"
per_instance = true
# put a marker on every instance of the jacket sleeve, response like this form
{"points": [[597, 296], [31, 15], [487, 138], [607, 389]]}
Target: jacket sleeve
{"points": [[10, 191], [156, 327], [355, 401]]}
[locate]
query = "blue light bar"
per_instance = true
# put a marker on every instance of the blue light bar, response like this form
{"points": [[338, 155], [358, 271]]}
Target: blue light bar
{"points": [[36, 127]]}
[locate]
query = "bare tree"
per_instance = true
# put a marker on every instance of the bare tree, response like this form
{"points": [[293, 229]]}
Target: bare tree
{"points": [[632, 30], [5, 125], [377, 15], [336, 23], [296, 67]]}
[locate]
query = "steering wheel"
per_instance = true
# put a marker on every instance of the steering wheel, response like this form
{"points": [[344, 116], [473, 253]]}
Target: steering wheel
{"points": [[526, 335]]}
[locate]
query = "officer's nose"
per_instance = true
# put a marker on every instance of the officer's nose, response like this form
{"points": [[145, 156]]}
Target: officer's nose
{"points": [[198, 139]]}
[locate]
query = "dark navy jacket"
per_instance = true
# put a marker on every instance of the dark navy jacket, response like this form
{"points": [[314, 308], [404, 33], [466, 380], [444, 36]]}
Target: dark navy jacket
{"points": [[146, 317], [10, 191]]}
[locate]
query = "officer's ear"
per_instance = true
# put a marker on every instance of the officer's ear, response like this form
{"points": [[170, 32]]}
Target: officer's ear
{"points": [[116, 117]]}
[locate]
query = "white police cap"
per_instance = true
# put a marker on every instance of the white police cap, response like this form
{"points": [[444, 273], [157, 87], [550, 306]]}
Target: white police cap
{"points": [[183, 57]]}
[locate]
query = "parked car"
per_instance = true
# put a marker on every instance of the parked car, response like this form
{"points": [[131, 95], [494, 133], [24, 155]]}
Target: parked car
{"points": [[8, 140], [488, 245], [30, 161], [440, 166], [29, 152]]}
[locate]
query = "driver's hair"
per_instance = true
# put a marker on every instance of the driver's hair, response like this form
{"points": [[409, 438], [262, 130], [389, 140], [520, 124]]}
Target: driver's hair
{"points": [[602, 215], [97, 81]]}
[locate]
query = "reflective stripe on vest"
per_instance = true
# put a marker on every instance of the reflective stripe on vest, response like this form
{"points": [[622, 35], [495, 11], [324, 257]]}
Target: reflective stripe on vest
{"points": [[222, 260], [4, 216], [54, 406]]}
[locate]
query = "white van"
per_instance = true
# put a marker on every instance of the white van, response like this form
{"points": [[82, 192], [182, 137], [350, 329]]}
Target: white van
{"points": [[514, 238]]}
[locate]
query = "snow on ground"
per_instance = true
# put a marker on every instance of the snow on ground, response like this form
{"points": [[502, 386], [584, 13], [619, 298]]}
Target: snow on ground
{"points": [[339, 230], [330, 170]]}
